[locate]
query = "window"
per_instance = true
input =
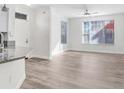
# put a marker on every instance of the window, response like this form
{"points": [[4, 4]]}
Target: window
{"points": [[63, 32], [98, 32], [20, 16]]}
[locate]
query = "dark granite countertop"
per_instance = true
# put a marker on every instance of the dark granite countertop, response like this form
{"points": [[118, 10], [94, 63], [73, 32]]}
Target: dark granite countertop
{"points": [[11, 54]]}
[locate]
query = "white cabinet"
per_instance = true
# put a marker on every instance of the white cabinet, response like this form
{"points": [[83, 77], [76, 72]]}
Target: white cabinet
{"points": [[12, 74], [11, 22], [3, 21]]}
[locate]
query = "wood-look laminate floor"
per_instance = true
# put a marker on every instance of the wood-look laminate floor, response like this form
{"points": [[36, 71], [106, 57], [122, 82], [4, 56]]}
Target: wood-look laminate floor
{"points": [[75, 70]]}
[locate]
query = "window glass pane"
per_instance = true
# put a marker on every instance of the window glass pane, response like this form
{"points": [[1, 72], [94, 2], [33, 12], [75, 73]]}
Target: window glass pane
{"points": [[98, 32]]}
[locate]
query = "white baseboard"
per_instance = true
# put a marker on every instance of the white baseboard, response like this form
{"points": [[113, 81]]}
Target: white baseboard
{"points": [[39, 56], [110, 52], [59, 52], [19, 84]]}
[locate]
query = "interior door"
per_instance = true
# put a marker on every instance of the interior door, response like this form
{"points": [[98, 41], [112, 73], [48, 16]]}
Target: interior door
{"points": [[22, 32]]}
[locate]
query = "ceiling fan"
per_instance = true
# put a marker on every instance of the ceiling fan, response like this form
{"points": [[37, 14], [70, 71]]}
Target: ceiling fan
{"points": [[87, 13]]}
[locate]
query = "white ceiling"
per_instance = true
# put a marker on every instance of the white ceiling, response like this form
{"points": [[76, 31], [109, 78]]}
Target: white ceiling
{"points": [[76, 10]]}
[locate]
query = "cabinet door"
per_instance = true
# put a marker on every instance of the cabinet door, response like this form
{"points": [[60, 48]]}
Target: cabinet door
{"points": [[3, 21], [11, 73], [11, 22]]}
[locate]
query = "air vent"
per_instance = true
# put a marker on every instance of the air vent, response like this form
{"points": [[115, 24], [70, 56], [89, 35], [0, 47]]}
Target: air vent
{"points": [[20, 16]]}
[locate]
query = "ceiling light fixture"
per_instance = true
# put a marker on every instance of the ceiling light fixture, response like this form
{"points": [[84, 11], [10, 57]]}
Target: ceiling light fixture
{"points": [[4, 8], [28, 4]]}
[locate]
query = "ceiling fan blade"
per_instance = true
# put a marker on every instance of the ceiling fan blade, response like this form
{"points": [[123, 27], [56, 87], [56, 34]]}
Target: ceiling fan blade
{"points": [[94, 13], [87, 13]]}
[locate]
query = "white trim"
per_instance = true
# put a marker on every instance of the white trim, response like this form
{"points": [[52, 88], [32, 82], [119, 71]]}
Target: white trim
{"points": [[39, 56], [93, 51]]}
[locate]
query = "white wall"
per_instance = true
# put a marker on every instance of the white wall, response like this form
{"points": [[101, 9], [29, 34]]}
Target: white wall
{"points": [[40, 33], [75, 35], [55, 34], [46, 33]]}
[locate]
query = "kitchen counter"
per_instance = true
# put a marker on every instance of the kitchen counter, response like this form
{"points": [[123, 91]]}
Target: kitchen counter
{"points": [[11, 54]]}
